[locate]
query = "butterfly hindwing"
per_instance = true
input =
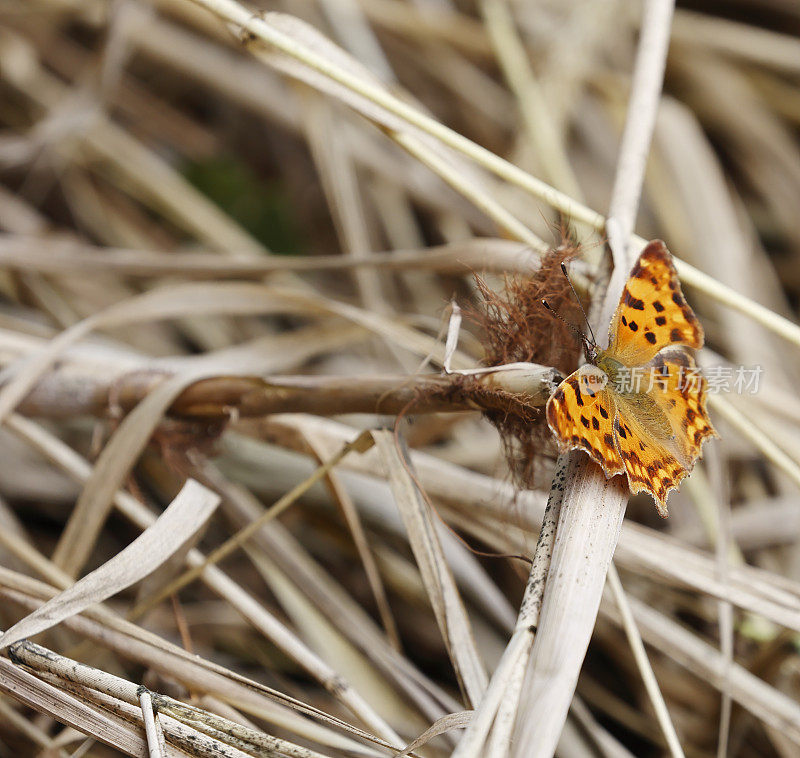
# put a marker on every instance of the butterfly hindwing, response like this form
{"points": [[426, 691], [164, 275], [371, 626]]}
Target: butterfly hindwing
{"points": [[652, 313], [582, 416], [680, 391], [660, 429], [652, 464]]}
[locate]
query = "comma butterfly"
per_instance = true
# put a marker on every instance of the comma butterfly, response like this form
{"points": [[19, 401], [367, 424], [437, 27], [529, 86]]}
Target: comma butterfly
{"points": [[639, 407]]}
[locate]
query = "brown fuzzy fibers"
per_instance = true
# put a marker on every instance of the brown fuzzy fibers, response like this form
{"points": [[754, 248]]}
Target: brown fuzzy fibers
{"points": [[517, 327]]}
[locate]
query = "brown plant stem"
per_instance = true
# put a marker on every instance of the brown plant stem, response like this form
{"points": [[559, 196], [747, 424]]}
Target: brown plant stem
{"points": [[224, 397]]}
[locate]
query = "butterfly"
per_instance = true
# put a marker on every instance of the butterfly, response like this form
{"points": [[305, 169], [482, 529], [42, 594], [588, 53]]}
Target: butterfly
{"points": [[638, 407]]}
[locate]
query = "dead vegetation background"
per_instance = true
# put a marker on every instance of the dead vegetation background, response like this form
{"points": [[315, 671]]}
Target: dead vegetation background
{"points": [[229, 241]]}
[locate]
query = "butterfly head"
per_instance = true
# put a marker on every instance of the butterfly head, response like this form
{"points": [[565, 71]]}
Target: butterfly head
{"points": [[590, 349]]}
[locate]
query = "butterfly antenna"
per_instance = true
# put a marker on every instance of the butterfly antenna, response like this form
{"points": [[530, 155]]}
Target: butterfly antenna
{"points": [[574, 328], [578, 300]]}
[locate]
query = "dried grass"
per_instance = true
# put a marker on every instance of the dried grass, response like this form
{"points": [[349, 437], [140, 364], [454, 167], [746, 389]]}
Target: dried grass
{"points": [[220, 226]]}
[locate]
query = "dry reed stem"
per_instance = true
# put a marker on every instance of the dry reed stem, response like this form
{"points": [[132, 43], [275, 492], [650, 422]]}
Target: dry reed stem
{"points": [[257, 27], [440, 585], [186, 725], [67, 709], [340, 495], [541, 128], [592, 511], [51, 255], [176, 526], [360, 445], [643, 664], [224, 586], [640, 549]]}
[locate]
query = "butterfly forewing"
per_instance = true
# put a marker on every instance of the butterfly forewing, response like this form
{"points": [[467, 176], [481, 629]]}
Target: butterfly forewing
{"points": [[652, 312]]}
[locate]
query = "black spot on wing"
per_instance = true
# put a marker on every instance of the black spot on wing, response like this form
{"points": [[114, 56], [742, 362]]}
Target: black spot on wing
{"points": [[595, 423], [661, 320], [603, 412], [657, 305], [650, 337], [632, 302]]}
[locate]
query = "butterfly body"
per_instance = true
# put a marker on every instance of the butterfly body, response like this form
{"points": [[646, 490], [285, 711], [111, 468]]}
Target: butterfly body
{"points": [[631, 407], [611, 367]]}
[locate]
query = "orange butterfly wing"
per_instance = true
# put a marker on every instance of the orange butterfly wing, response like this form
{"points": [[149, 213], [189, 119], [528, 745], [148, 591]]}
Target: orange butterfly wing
{"points": [[681, 394], [660, 432], [581, 417], [654, 432], [652, 313]]}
